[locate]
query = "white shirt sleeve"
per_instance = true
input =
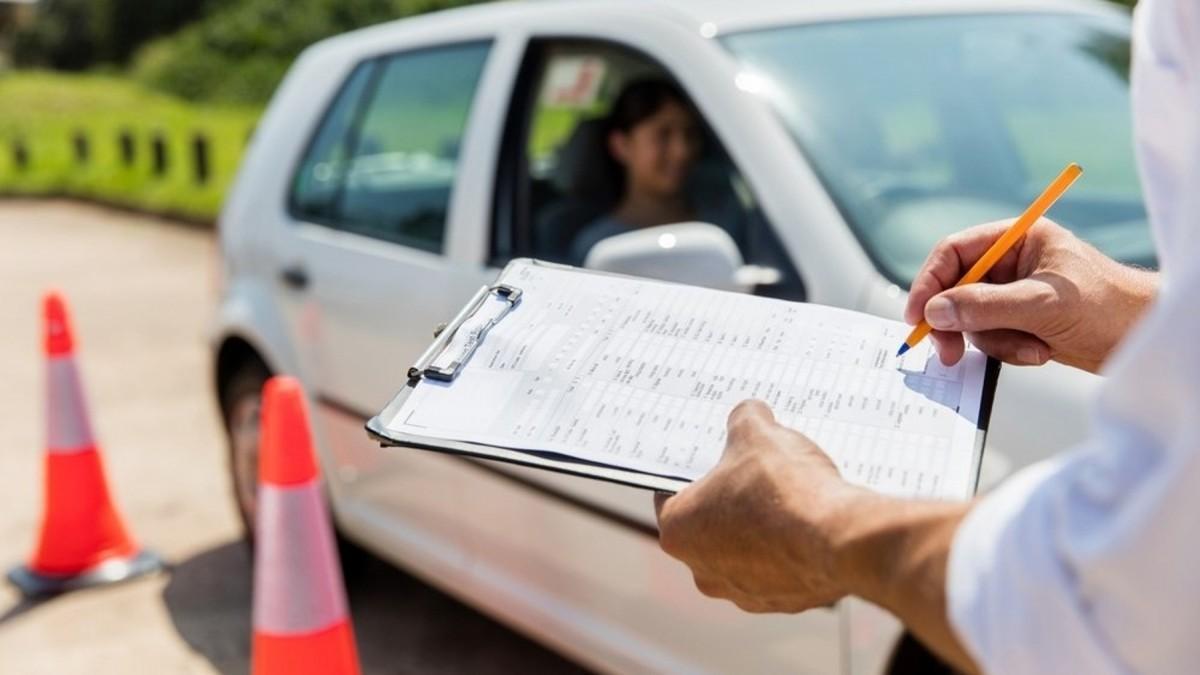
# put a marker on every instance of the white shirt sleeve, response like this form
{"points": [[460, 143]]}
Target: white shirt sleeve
{"points": [[1090, 562], [1086, 563]]}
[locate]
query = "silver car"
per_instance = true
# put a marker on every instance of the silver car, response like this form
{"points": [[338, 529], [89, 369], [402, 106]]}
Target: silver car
{"points": [[398, 167]]}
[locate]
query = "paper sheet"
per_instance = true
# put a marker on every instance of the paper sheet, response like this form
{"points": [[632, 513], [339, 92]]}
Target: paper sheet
{"points": [[642, 375]]}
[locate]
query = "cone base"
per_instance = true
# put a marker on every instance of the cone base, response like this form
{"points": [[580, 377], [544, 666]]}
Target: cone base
{"points": [[329, 651], [35, 584]]}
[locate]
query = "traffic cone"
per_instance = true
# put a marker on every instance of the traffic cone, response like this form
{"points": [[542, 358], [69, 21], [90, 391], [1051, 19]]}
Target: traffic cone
{"points": [[301, 623], [83, 540]]}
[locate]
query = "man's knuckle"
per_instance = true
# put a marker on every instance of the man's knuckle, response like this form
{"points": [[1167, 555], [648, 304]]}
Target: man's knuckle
{"points": [[670, 538], [748, 409], [947, 245], [751, 606], [670, 542], [743, 427], [1045, 295], [943, 255], [706, 586], [1047, 225], [987, 300], [1044, 300], [738, 429]]}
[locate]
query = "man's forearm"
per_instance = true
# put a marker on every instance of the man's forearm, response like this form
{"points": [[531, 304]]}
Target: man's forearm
{"points": [[1125, 295], [894, 553], [1135, 291]]}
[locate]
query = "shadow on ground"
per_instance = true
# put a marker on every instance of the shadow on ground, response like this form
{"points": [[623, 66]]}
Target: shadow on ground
{"points": [[18, 608], [402, 625], [208, 598]]}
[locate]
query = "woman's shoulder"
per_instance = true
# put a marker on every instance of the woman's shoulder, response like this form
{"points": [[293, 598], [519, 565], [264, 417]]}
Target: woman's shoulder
{"points": [[606, 226], [589, 235]]}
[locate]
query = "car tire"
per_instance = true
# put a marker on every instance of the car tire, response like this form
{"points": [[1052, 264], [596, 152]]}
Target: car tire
{"points": [[241, 401]]}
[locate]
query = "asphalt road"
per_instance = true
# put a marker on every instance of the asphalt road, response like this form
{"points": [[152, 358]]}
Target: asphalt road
{"points": [[141, 294]]}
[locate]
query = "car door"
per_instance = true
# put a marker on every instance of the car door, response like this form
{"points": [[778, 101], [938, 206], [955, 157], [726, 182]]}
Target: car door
{"points": [[589, 545], [366, 270], [546, 182]]}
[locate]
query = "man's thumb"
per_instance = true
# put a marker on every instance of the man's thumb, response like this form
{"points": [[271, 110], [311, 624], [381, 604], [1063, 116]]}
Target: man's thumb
{"points": [[1020, 305]]}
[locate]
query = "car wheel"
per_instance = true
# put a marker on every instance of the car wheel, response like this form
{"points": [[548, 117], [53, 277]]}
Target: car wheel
{"points": [[241, 403]]}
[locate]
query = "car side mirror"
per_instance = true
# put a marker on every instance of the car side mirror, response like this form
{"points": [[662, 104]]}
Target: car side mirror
{"points": [[693, 253]]}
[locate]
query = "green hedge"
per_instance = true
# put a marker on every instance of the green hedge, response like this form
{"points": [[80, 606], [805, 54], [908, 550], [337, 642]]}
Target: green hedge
{"points": [[239, 52], [210, 80], [44, 112]]}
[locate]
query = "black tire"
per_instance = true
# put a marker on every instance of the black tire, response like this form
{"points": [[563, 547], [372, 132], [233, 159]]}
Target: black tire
{"points": [[243, 388], [241, 398]]}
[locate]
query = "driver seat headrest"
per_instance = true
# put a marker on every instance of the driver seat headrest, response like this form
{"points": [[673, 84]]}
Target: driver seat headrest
{"points": [[582, 170]]}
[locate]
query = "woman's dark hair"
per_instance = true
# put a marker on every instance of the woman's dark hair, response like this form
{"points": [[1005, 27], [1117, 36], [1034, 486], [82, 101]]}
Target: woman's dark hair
{"points": [[641, 99], [637, 102]]}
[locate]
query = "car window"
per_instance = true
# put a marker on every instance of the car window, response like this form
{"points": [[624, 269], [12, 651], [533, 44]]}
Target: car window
{"points": [[557, 177], [319, 178], [968, 127], [387, 169]]}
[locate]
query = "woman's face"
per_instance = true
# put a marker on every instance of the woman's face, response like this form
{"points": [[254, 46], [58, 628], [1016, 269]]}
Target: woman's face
{"points": [[658, 152]]}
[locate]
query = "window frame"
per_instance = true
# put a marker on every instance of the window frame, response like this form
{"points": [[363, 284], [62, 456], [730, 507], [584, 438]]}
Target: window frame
{"points": [[377, 63], [292, 207], [511, 197]]}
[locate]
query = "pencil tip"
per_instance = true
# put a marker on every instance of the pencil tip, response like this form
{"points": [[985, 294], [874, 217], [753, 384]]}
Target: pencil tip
{"points": [[903, 348]]}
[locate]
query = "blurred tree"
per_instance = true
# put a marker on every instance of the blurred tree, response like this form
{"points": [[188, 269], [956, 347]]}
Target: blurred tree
{"points": [[60, 37], [240, 52], [121, 26], [77, 34]]}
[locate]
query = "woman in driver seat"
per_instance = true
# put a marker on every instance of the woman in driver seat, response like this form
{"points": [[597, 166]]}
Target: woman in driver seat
{"points": [[653, 139]]}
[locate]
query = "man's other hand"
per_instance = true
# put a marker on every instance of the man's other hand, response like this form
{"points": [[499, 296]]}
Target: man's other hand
{"points": [[757, 529], [1052, 296]]}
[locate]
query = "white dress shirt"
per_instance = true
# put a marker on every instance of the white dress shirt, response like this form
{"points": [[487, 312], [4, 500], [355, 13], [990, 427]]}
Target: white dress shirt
{"points": [[1090, 562]]}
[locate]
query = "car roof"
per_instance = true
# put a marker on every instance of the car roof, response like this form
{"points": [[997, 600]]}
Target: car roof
{"points": [[707, 17], [726, 17]]}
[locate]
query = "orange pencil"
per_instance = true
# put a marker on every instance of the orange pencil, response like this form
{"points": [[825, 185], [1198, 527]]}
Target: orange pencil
{"points": [[1005, 243]]}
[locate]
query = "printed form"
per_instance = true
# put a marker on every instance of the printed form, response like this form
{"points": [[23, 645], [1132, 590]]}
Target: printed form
{"points": [[642, 375]]}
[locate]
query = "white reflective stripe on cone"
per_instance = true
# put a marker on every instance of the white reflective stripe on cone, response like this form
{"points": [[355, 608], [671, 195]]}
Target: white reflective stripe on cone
{"points": [[297, 579], [67, 426]]}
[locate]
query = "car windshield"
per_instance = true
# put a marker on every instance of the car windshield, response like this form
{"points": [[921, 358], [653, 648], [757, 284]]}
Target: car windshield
{"points": [[921, 126]]}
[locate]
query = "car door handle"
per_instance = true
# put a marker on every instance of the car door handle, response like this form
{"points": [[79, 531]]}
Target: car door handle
{"points": [[295, 276], [757, 275]]}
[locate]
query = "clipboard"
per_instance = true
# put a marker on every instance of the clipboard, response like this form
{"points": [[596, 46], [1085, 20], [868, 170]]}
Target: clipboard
{"points": [[436, 363]]}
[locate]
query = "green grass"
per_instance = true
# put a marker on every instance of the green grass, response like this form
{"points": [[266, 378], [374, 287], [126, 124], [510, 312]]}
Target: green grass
{"points": [[46, 110]]}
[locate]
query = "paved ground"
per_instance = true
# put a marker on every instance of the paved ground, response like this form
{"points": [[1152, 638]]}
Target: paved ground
{"points": [[141, 291]]}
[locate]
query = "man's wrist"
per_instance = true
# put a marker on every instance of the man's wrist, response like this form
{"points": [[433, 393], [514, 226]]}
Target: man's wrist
{"points": [[1142, 288], [881, 544], [860, 528], [894, 553], [1132, 291]]}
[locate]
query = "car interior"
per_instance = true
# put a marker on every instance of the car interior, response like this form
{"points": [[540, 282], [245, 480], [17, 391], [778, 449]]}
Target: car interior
{"points": [[561, 173]]}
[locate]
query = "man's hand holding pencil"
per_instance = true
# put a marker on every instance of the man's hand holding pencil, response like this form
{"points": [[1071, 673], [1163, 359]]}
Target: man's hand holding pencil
{"points": [[1051, 296]]}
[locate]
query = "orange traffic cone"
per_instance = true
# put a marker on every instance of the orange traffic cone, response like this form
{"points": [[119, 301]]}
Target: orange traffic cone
{"points": [[301, 624], [83, 541]]}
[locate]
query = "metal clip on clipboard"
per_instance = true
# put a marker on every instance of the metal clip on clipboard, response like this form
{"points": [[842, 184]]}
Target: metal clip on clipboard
{"points": [[426, 365]]}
